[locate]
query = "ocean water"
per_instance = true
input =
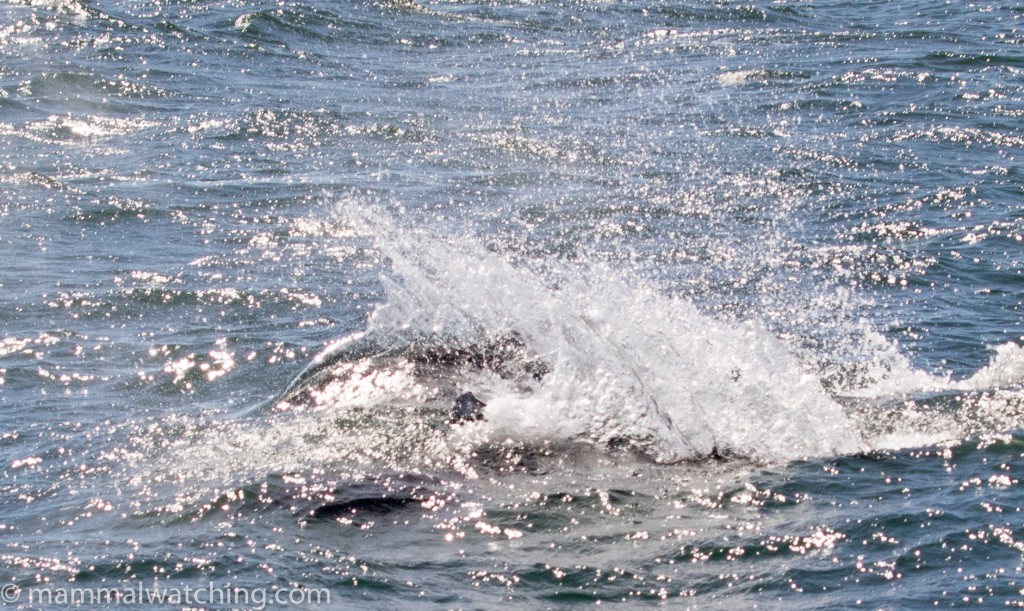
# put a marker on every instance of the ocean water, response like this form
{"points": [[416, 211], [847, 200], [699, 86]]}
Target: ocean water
{"points": [[741, 286]]}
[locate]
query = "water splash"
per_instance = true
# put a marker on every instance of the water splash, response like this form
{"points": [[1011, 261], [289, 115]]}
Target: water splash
{"points": [[628, 365], [599, 360]]}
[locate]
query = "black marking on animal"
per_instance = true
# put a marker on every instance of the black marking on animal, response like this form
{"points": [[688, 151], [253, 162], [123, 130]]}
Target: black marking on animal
{"points": [[353, 502], [506, 356], [467, 408], [378, 505]]}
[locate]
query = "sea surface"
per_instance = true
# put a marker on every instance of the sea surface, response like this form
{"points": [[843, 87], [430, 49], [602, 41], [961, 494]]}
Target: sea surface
{"points": [[740, 284]]}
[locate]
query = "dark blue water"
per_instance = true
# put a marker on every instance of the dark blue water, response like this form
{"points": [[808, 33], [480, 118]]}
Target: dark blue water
{"points": [[741, 287]]}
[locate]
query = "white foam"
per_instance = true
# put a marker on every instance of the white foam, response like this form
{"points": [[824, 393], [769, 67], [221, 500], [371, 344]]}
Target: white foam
{"points": [[1006, 368], [627, 362]]}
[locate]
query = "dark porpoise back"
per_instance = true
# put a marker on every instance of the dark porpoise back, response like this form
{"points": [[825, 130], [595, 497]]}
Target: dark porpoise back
{"points": [[467, 408], [507, 356]]}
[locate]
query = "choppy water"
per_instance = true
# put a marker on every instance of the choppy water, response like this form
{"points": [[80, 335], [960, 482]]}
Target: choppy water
{"points": [[786, 233]]}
